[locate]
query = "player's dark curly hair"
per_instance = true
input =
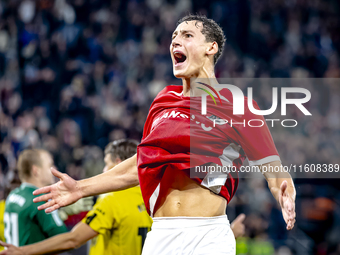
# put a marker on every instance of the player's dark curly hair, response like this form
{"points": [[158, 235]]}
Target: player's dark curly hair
{"points": [[211, 30]]}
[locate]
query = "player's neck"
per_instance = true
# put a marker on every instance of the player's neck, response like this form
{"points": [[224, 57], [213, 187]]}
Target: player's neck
{"points": [[34, 182], [190, 85], [206, 75]]}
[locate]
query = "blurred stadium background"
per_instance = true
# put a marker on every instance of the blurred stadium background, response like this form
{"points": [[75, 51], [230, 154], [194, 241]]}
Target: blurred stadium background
{"points": [[76, 74]]}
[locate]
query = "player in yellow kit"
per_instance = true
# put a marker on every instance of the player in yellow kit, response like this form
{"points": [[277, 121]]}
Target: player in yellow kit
{"points": [[119, 219], [104, 217], [122, 208]]}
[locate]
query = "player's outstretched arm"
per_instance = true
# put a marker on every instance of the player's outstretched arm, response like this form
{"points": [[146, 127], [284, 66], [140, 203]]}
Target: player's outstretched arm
{"points": [[80, 234], [282, 187], [67, 191]]}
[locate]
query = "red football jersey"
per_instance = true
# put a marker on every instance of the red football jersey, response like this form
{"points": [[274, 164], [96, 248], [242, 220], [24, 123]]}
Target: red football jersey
{"points": [[177, 136]]}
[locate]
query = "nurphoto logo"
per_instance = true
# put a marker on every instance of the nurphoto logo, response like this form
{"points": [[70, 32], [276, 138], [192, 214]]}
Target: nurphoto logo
{"points": [[238, 102]]}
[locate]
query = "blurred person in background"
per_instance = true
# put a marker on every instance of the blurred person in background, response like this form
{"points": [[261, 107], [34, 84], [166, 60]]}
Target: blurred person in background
{"points": [[23, 223], [119, 219]]}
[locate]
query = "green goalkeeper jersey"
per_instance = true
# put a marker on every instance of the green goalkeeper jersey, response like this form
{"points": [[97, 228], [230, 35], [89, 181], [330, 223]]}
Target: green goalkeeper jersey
{"points": [[24, 223]]}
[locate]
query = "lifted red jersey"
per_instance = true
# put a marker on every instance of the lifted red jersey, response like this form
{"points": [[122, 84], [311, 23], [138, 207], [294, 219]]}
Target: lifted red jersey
{"points": [[177, 136]]}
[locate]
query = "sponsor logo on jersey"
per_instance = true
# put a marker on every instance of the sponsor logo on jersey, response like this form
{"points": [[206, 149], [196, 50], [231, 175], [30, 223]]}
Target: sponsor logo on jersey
{"points": [[169, 115]]}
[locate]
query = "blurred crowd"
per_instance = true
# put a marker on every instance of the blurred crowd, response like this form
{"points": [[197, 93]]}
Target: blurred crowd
{"points": [[76, 74]]}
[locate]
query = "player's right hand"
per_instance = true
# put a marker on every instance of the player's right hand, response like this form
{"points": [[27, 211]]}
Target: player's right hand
{"points": [[10, 249], [62, 193]]}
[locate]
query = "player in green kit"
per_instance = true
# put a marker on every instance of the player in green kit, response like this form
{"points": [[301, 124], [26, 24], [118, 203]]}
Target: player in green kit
{"points": [[24, 223]]}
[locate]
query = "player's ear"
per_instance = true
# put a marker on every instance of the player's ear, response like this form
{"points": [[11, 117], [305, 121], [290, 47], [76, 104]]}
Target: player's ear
{"points": [[35, 171], [212, 48], [117, 160]]}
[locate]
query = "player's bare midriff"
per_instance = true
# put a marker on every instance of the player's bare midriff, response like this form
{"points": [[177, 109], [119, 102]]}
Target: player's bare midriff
{"points": [[182, 196]]}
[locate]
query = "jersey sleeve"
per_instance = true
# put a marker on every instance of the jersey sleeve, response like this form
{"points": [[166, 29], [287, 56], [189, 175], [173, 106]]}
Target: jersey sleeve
{"points": [[50, 223], [101, 217], [256, 140]]}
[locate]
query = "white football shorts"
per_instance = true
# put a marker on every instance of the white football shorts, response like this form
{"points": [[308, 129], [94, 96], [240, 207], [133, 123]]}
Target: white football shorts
{"points": [[190, 236]]}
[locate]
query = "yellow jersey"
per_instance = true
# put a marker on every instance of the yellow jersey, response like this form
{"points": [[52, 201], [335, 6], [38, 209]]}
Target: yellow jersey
{"points": [[97, 245], [122, 222], [2, 225]]}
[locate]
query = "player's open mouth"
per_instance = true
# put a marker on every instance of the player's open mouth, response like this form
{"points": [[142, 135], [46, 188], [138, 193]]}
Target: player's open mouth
{"points": [[179, 57]]}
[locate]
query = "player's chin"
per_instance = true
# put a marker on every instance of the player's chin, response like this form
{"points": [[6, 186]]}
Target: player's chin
{"points": [[179, 73]]}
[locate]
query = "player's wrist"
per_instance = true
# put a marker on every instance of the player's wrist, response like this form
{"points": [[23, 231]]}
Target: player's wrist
{"points": [[24, 250], [80, 189]]}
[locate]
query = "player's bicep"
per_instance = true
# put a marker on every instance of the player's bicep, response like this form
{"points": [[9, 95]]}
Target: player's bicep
{"points": [[133, 170], [125, 173]]}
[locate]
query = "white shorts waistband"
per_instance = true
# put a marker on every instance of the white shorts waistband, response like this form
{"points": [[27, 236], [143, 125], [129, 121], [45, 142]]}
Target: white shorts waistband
{"points": [[188, 222]]}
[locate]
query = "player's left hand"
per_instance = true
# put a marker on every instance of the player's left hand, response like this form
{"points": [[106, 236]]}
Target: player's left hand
{"points": [[287, 204], [10, 249]]}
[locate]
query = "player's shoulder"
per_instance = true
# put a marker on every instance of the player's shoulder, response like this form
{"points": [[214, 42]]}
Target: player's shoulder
{"points": [[17, 192], [131, 192], [104, 204], [105, 199], [171, 90], [120, 197], [125, 192], [26, 190], [226, 95], [108, 196], [20, 199], [229, 96]]}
